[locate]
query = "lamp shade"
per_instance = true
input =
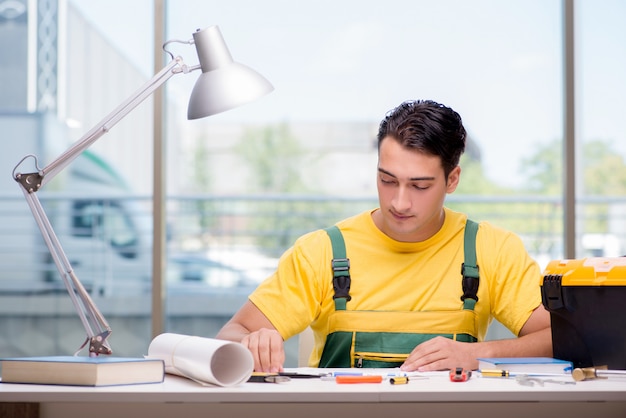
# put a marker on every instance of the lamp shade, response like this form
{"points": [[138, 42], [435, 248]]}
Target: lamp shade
{"points": [[224, 84]]}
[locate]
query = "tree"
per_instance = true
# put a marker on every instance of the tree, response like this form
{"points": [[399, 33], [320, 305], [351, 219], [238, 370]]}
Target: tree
{"points": [[544, 169], [603, 170], [473, 179], [603, 173], [274, 156]]}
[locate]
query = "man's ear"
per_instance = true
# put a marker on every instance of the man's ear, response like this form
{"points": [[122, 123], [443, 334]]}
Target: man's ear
{"points": [[453, 179]]}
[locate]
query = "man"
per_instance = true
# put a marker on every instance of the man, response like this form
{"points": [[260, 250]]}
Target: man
{"points": [[406, 304]]}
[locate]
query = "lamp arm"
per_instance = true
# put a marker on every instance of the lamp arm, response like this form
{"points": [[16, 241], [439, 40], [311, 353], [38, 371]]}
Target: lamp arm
{"points": [[94, 323], [175, 66]]}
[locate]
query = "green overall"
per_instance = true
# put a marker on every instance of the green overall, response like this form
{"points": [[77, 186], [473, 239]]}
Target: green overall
{"points": [[386, 338]]}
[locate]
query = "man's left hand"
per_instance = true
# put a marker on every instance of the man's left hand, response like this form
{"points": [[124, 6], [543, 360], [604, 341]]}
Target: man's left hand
{"points": [[441, 353]]}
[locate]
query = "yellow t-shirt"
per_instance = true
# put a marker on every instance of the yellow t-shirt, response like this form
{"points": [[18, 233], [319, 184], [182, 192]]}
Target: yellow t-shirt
{"points": [[387, 275]]}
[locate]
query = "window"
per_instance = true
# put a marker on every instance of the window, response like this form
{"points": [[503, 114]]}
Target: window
{"points": [[243, 184], [601, 140]]}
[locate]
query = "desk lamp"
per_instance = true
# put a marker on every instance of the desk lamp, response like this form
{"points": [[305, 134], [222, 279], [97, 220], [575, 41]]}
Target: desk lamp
{"points": [[224, 84]]}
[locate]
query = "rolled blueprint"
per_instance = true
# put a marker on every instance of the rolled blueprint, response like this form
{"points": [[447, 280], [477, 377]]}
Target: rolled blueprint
{"points": [[204, 360]]}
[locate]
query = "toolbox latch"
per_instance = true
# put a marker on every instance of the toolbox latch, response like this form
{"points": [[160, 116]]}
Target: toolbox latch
{"points": [[551, 294]]}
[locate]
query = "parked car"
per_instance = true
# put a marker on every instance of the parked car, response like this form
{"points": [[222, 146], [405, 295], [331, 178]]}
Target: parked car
{"points": [[199, 269], [217, 269]]}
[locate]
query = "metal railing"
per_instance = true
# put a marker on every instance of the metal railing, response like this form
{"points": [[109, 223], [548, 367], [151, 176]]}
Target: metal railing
{"points": [[109, 237]]}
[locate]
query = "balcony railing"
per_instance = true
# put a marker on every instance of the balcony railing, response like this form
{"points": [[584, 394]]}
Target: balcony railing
{"points": [[108, 239]]}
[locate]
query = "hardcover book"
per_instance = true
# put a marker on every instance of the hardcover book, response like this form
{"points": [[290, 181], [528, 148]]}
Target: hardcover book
{"points": [[82, 371], [530, 365]]}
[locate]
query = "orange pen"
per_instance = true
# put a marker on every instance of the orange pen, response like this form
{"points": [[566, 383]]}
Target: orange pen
{"points": [[359, 379]]}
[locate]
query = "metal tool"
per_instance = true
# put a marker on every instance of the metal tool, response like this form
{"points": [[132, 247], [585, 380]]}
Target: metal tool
{"points": [[600, 372], [526, 380]]}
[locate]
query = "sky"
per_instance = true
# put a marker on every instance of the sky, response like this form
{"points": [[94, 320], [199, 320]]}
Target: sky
{"points": [[498, 63]]}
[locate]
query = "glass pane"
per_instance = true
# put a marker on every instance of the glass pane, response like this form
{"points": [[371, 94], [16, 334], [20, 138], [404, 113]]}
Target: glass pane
{"points": [[601, 100], [304, 157], [72, 63]]}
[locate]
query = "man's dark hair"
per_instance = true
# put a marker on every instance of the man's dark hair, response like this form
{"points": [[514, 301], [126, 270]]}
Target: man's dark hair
{"points": [[429, 127]]}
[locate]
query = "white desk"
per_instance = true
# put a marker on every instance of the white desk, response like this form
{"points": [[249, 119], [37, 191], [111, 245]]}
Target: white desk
{"points": [[303, 398]]}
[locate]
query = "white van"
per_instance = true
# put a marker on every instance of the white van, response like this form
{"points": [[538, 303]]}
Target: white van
{"points": [[105, 234]]}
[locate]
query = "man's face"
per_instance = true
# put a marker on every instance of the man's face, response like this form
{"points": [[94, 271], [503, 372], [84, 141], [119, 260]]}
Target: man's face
{"points": [[411, 192]]}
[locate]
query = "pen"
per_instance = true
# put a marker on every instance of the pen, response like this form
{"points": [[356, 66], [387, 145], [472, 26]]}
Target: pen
{"points": [[335, 374], [297, 375], [281, 377], [399, 374], [394, 374]]}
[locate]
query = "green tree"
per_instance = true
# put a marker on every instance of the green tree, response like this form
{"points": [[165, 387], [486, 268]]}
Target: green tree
{"points": [[274, 156], [603, 169], [202, 183], [544, 169], [473, 179], [603, 173]]}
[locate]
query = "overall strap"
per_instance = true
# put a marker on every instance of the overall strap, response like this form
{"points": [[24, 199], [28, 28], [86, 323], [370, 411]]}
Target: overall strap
{"points": [[469, 269], [341, 268]]}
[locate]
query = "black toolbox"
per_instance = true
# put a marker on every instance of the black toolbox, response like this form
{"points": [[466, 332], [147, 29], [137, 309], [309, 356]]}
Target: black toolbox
{"points": [[586, 299]]}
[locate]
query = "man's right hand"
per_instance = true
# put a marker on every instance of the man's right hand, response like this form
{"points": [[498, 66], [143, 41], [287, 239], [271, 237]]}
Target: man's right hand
{"points": [[251, 328], [267, 348]]}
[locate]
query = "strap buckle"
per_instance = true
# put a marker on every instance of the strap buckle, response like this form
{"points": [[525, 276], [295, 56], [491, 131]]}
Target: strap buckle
{"points": [[341, 278], [470, 282]]}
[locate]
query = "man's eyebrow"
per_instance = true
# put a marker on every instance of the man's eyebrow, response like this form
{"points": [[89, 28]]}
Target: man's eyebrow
{"points": [[382, 170]]}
